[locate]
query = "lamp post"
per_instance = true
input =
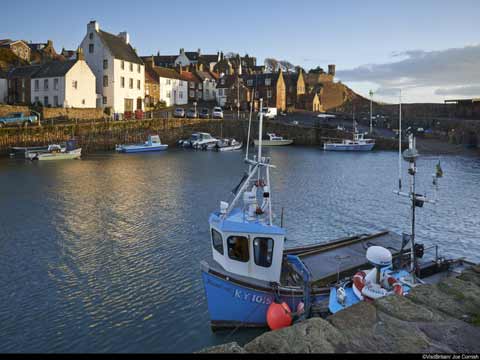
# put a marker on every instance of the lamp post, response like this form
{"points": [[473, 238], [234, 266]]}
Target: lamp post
{"points": [[371, 111]]}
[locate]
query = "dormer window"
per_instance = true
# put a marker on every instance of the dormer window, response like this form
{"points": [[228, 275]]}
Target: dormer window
{"points": [[238, 249], [217, 240]]}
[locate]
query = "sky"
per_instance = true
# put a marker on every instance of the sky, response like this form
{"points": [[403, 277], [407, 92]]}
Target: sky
{"points": [[430, 49]]}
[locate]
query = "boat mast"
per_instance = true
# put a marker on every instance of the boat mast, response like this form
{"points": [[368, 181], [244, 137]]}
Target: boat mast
{"points": [[400, 146], [260, 132], [371, 112], [250, 128]]}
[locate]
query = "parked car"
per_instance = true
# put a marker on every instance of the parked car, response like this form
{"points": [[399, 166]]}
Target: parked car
{"points": [[179, 113], [192, 114], [269, 113], [18, 118], [204, 113], [217, 113]]}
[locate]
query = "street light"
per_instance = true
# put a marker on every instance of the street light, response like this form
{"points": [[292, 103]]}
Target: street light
{"points": [[371, 112]]}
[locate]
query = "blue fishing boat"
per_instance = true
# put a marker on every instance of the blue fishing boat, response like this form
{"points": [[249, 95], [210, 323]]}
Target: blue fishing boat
{"points": [[152, 144], [251, 269]]}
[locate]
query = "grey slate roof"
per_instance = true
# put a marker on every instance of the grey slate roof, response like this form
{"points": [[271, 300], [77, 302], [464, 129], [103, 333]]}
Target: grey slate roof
{"points": [[23, 71], [119, 49], [54, 69]]}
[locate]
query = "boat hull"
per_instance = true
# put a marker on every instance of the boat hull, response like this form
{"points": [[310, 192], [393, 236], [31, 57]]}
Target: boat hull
{"points": [[233, 303], [353, 147], [274, 143], [72, 155], [141, 149]]}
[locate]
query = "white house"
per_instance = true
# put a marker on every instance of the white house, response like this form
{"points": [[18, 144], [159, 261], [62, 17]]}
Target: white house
{"points": [[64, 84], [3, 87], [119, 71], [209, 87], [173, 90]]}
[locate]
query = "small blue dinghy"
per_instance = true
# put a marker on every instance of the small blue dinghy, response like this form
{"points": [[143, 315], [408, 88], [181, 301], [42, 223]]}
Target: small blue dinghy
{"points": [[153, 144]]}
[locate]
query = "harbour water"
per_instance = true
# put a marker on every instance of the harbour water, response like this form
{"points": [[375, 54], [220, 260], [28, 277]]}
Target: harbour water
{"points": [[102, 254]]}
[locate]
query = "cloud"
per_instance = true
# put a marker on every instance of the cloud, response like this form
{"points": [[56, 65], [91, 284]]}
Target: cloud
{"points": [[453, 71], [473, 90]]}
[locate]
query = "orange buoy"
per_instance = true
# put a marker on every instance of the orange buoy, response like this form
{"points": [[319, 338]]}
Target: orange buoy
{"points": [[279, 316]]}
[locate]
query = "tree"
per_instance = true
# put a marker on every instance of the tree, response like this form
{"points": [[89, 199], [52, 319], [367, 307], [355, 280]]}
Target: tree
{"points": [[287, 65], [231, 55], [271, 64], [317, 70]]}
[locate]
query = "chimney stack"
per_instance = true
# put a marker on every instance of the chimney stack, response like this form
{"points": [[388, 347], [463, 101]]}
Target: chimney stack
{"points": [[332, 70], [93, 26], [125, 37], [80, 55]]}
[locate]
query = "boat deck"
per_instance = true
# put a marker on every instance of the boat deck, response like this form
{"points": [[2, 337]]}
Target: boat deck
{"points": [[345, 256]]}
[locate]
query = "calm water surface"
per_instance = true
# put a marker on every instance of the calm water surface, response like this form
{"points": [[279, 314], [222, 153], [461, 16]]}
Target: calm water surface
{"points": [[102, 255]]}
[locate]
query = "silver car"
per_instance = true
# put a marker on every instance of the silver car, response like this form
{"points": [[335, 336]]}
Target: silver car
{"points": [[179, 113], [217, 113]]}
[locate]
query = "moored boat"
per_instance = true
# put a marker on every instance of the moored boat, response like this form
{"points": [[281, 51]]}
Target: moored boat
{"points": [[273, 140], [359, 143], [252, 270], [152, 144], [199, 141], [228, 145], [57, 152]]}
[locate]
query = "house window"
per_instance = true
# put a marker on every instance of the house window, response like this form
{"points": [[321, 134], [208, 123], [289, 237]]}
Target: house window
{"points": [[45, 84], [91, 36], [131, 67], [55, 84], [269, 94], [169, 94], [200, 87], [36, 99], [192, 93], [91, 48], [250, 82], [238, 249], [45, 101], [55, 101], [268, 82], [139, 84], [75, 84], [180, 94], [217, 241], [105, 81], [139, 68], [37, 85], [122, 82], [83, 102], [104, 100], [192, 85], [263, 252], [222, 81], [131, 84], [105, 64], [169, 81], [123, 65], [208, 92]]}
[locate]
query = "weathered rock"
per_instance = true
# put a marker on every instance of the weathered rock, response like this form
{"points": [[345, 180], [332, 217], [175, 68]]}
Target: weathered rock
{"points": [[231, 348], [441, 318], [312, 336], [403, 308]]}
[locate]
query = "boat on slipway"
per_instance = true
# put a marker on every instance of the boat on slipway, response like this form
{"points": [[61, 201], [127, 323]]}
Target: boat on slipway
{"points": [[153, 144], [252, 270]]}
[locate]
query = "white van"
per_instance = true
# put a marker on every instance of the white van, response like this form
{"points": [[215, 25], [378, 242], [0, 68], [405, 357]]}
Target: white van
{"points": [[269, 113]]}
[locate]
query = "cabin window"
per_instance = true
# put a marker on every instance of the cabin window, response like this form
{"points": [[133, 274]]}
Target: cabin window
{"points": [[263, 252], [217, 241], [238, 248]]}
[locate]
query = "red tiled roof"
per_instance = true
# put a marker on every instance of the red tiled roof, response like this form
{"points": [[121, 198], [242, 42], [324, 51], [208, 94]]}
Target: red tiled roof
{"points": [[189, 76]]}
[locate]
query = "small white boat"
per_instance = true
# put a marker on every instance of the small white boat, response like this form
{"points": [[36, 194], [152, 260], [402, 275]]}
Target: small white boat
{"points": [[359, 143], [228, 145], [274, 140], [56, 152], [199, 141], [152, 144]]}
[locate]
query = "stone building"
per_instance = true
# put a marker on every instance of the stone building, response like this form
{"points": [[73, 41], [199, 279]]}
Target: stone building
{"points": [[19, 84], [44, 52], [18, 47], [232, 91], [296, 88], [270, 87]]}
